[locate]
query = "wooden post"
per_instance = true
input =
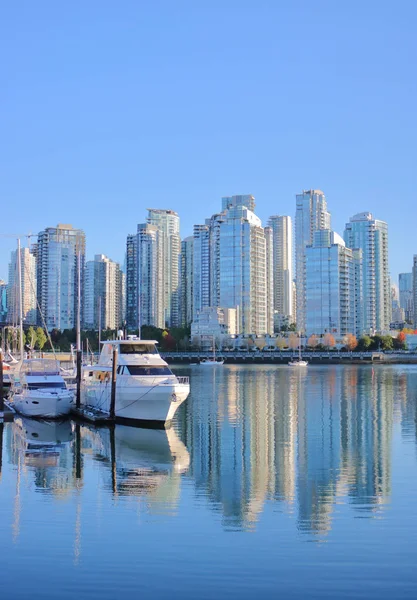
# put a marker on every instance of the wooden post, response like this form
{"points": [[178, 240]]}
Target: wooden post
{"points": [[113, 460], [1, 447], [1, 383], [113, 384], [78, 397]]}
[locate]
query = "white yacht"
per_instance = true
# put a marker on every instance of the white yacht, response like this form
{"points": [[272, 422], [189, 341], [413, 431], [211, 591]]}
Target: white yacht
{"points": [[146, 389], [38, 390]]}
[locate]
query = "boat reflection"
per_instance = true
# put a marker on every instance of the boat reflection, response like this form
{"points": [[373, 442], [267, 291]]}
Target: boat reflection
{"points": [[140, 461], [42, 441]]}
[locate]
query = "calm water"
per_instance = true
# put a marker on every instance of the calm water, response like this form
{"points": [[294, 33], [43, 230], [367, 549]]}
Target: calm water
{"points": [[272, 483]]}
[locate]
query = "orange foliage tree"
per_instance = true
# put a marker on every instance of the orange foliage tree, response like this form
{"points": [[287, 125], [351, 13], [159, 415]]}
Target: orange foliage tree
{"points": [[280, 343], [313, 341], [293, 341], [401, 337], [329, 341], [351, 342]]}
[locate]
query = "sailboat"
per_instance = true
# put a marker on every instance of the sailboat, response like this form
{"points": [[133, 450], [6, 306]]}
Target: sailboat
{"points": [[37, 388], [299, 362], [212, 362]]}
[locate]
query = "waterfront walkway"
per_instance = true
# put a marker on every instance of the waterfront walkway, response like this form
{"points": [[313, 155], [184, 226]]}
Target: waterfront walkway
{"points": [[277, 356]]}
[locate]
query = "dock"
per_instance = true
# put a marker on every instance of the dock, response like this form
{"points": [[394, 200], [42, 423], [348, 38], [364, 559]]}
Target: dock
{"points": [[7, 414], [92, 415]]}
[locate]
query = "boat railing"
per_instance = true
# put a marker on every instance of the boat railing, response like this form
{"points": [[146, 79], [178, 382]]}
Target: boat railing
{"points": [[40, 367]]}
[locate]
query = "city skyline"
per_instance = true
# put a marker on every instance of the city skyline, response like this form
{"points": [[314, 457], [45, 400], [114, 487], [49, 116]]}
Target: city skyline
{"points": [[235, 263], [403, 263]]}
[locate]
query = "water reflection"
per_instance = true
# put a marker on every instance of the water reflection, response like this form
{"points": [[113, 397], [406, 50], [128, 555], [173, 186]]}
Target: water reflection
{"points": [[302, 440], [138, 462], [248, 437]]}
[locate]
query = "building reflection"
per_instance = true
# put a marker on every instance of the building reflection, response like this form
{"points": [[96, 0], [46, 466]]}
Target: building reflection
{"points": [[299, 442], [302, 439]]}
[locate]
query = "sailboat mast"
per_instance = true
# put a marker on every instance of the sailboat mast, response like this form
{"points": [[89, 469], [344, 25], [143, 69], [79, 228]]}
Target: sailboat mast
{"points": [[19, 276], [78, 378], [79, 301]]}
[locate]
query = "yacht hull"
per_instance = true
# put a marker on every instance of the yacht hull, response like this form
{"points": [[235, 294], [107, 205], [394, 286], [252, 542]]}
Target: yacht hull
{"points": [[43, 405], [152, 404]]}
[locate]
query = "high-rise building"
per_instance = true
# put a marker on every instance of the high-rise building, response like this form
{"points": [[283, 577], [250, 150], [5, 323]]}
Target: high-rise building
{"points": [[230, 265], [201, 268], [151, 276], [168, 225], [415, 289], [3, 301], [405, 284], [282, 265], [330, 286], [102, 294], [311, 215], [58, 249], [269, 278], [187, 284], [371, 236], [397, 313], [28, 269], [131, 297]]}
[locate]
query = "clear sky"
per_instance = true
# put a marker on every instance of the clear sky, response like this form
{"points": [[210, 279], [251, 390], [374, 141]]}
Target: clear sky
{"points": [[108, 108]]}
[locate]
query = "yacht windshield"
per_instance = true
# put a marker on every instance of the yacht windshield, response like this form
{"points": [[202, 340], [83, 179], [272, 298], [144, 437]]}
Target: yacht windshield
{"points": [[134, 370], [138, 349], [47, 384]]}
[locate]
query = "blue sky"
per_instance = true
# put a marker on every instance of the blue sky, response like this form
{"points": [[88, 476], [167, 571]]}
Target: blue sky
{"points": [[110, 108]]}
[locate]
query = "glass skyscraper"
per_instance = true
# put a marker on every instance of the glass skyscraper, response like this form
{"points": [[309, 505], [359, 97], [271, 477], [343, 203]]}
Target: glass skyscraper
{"points": [[371, 236], [405, 285], [29, 311], [57, 275], [187, 285], [311, 215], [332, 284], [282, 265], [230, 265], [102, 293], [153, 272], [168, 225]]}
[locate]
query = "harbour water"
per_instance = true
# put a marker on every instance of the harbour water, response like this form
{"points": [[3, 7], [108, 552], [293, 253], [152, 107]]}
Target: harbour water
{"points": [[272, 483]]}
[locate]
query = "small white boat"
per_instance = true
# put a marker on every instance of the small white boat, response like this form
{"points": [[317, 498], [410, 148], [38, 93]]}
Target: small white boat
{"points": [[298, 363], [146, 389], [38, 390], [211, 362]]}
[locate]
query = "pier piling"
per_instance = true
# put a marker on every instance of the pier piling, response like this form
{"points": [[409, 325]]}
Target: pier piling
{"points": [[113, 384]]}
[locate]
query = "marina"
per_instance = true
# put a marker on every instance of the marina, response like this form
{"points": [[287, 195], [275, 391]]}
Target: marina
{"points": [[292, 482]]}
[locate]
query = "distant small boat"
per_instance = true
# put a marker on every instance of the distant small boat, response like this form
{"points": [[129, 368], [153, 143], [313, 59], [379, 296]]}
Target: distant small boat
{"points": [[211, 362], [299, 362]]}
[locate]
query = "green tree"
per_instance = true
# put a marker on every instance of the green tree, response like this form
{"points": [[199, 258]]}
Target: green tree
{"points": [[41, 338], [31, 337], [364, 343]]}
